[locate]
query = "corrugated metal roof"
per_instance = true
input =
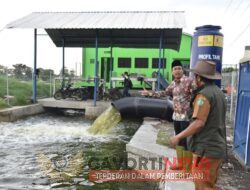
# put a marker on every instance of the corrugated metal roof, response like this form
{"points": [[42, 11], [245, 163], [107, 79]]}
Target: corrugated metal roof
{"points": [[102, 20], [119, 29]]}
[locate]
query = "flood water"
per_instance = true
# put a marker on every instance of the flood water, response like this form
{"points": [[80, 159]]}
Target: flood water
{"points": [[51, 151]]}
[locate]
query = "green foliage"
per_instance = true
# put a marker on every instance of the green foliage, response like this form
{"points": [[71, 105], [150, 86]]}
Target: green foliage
{"points": [[20, 100], [2, 69], [22, 90], [22, 71], [2, 87], [43, 89], [229, 69], [45, 74], [3, 104]]}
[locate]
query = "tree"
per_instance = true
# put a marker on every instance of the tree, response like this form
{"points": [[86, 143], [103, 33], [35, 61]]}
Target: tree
{"points": [[66, 72], [229, 69], [45, 74], [22, 71], [71, 73], [2, 69]]}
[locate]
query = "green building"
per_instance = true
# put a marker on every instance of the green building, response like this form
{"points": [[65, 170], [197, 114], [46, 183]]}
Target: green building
{"points": [[136, 61]]}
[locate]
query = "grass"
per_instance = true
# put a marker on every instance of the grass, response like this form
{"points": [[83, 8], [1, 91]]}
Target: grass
{"points": [[22, 91], [3, 104]]}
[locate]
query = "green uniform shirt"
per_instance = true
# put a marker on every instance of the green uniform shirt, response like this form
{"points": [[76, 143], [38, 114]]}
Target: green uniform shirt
{"points": [[210, 140]]}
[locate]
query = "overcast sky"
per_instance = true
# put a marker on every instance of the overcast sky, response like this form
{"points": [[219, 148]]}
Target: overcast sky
{"points": [[16, 45]]}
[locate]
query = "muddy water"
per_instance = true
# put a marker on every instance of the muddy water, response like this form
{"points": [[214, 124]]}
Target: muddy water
{"points": [[57, 152], [106, 121]]}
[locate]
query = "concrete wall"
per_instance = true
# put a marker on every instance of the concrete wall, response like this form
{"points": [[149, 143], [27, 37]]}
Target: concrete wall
{"points": [[145, 154], [15, 113]]}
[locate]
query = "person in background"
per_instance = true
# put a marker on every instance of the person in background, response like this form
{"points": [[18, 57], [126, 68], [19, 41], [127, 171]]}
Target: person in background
{"points": [[180, 89], [208, 128], [127, 84]]}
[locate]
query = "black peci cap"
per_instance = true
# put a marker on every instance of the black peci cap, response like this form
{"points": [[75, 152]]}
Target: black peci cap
{"points": [[176, 63]]}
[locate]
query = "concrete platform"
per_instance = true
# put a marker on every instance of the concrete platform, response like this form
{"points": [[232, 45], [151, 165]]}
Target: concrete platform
{"points": [[143, 150], [91, 111]]}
